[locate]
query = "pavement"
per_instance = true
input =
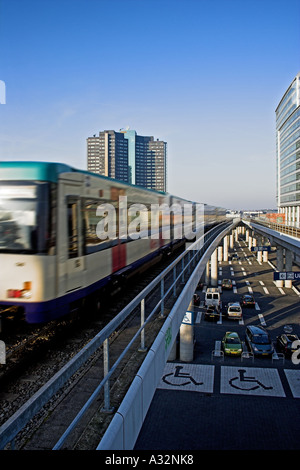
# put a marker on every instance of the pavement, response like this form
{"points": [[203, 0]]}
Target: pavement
{"points": [[225, 403]]}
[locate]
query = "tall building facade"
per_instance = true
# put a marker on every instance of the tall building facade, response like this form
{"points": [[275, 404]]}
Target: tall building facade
{"points": [[288, 153], [107, 155], [158, 166], [129, 157]]}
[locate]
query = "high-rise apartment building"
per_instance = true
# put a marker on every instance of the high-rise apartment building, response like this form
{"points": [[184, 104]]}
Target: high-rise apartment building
{"points": [[107, 155], [288, 153], [142, 162]]}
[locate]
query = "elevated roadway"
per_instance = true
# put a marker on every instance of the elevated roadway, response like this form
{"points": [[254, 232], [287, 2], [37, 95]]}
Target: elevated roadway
{"points": [[217, 402]]}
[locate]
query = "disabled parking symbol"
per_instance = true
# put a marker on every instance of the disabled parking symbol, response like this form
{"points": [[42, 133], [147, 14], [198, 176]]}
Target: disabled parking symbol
{"points": [[242, 382], [177, 374], [251, 381]]}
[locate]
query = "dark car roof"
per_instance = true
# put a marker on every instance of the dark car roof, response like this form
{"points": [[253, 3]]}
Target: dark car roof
{"points": [[257, 330], [290, 336]]}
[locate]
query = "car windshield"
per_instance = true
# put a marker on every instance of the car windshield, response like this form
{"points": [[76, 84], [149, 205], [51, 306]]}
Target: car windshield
{"points": [[24, 217], [231, 340], [235, 309], [261, 339]]}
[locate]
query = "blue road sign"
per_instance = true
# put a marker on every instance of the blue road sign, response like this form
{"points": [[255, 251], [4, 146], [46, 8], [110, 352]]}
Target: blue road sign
{"points": [[287, 276], [260, 248], [188, 318]]}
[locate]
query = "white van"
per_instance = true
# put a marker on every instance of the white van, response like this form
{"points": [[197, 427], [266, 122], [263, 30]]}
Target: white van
{"points": [[213, 297]]}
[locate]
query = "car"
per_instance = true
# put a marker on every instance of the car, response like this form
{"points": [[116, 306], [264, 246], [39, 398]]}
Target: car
{"points": [[258, 341], [234, 310], [212, 313], [285, 344], [226, 284], [247, 300], [235, 256], [196, 300], [231, 344]]}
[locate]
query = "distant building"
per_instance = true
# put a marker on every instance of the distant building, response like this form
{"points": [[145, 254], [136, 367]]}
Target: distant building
{"points": [[288, 153], [157, 170], [129, 157], [107, 155]]}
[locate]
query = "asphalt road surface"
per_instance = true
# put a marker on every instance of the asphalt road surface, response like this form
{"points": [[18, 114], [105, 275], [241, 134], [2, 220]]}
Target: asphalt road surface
{"points": [[217, 402]]}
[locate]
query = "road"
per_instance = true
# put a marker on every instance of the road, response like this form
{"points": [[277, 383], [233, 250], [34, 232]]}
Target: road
{"points": [[218, 403]]}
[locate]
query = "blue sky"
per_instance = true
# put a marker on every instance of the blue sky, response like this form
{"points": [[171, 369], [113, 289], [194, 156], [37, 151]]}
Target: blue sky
{"points": [[204, 75]]}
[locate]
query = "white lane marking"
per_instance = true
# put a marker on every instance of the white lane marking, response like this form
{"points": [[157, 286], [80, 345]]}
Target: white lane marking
{"points": [[293, 377], [265, 290], [261, 283], [250, 290], [296, 290], [261, 319], [275, 355], [198, 317], [257, 307], [279, 288], [272, 265]]}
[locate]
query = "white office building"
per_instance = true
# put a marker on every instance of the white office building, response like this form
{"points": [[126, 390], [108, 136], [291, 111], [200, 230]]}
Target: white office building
{"points": [[288, 153]]}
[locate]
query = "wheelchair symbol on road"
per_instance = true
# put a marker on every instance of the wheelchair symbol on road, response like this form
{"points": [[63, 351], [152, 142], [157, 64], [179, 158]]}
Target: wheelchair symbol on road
{"points": [[242, 379], [178, 374]]}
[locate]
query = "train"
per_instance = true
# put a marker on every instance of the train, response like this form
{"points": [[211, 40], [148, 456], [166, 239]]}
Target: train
{"points": [[54, 254]]}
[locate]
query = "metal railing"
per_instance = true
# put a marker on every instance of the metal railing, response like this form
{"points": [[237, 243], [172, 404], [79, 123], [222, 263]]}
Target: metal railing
{"points": [[167, 283], [287, 229]]}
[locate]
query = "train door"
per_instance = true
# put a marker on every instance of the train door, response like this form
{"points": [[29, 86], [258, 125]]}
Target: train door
{"points": [[75, 261], [119, 255]]}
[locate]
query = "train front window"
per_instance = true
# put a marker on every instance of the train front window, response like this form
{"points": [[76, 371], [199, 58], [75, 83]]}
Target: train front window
{"points": [[24, 217]]}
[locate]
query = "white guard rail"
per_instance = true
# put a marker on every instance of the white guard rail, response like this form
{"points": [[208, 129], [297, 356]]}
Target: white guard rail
{"points": [[127, 422]]}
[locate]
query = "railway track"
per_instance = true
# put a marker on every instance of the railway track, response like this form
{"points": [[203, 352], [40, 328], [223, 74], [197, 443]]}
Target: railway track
{"points": [[35, 359]]}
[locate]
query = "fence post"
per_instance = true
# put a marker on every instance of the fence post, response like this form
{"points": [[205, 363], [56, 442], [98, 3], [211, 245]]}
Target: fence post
{"points": [[162, 288], [174, 281], [106, 407], [142, 348]]}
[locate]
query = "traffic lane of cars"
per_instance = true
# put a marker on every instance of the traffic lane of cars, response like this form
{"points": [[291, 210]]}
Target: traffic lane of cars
{"points": [[269, 345]]}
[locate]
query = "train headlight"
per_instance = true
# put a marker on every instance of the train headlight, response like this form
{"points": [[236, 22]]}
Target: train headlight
{"points": [[24, 293]]}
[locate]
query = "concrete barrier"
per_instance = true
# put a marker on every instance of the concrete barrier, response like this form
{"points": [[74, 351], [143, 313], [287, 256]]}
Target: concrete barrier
{"points": [[136, 403]]}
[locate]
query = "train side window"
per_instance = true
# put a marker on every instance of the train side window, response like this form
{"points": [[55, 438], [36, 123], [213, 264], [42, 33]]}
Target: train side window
{"points": [[90, 220]]}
